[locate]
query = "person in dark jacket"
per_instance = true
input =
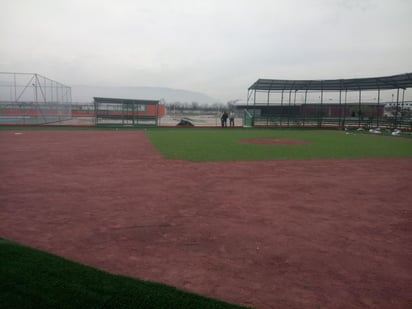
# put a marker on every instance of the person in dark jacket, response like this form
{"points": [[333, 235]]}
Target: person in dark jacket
{"points": [[224, 119]]}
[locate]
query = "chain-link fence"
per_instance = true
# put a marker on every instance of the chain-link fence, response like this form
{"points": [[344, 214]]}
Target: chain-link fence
{"points": [[30, 98]]}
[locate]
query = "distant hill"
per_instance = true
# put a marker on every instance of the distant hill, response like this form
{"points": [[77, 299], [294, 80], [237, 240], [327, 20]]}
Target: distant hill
{"points": [[85, 94]]}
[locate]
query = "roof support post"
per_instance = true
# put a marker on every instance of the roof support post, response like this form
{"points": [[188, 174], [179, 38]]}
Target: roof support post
{"points": [[123, 115], [377, 108], [157, 115], [345, 108], [294, 107], [320, 115], [397, 108], [133, 113], [304, 107], [403, 101], [96, 111], [290, 95], [254, 107], [294, 98], [281, 108]]}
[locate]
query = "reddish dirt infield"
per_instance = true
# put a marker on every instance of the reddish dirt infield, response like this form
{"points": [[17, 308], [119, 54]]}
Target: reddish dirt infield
{"points": [[273, 234]]}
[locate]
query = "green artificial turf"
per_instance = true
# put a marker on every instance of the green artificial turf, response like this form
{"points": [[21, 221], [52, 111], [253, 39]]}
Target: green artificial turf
{"points": [[35, 279], [223, 144]]}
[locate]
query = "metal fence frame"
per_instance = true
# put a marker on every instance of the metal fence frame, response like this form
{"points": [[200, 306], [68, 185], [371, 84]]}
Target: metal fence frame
{"points": [[30, 98]]}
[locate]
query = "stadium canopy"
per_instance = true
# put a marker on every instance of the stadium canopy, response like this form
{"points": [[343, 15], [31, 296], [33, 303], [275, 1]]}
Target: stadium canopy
{"points": [[276, 99], [401, 81]]}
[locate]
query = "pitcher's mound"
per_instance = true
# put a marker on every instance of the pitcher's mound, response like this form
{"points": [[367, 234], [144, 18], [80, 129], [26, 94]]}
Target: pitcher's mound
{"points": [[273, 141]]}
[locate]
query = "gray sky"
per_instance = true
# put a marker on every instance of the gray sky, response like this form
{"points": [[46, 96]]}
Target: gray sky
{"points": [[218, 47]]}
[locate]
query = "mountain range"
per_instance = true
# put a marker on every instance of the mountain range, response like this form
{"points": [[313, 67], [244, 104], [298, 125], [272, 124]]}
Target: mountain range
{"points": [[85, 94]]}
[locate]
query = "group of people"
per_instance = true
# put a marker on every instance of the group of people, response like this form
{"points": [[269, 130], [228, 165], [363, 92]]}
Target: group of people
{"points": [[231, 117]]}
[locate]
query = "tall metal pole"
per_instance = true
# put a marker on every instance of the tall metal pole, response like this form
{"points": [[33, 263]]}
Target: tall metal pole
{"points": [[35, 87], [69, 104], [45, 89], [57, 93], [52, 91], [15, 89]]}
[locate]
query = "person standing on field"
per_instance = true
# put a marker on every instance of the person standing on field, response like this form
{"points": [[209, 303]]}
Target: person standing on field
{"points": [[232, 119], [224, 119]]}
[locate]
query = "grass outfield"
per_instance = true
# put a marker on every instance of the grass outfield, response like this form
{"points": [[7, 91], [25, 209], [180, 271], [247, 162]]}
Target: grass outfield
{"points": [[35, 279], [223, 144]]}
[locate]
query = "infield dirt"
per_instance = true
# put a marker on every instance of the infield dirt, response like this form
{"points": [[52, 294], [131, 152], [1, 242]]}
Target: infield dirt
{"points": [[270, 234]]}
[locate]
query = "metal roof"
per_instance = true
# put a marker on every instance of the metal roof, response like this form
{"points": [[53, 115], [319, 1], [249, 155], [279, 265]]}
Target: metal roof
{"points": [[124, 101], [401, 81]]}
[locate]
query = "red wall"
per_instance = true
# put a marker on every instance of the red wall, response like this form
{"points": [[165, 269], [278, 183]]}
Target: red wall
{"points": [[150, 111]]}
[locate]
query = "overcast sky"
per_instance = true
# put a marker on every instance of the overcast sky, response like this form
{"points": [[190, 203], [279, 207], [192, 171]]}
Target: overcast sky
{"points": [[218, 47]]}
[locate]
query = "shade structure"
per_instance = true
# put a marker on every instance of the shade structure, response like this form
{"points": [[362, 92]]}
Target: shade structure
{"points": [[361, 102], [400, 81], [127, 112]]}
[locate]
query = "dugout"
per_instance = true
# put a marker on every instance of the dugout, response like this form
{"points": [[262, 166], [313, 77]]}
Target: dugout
{"points": [[339, 102], [127, 112]]}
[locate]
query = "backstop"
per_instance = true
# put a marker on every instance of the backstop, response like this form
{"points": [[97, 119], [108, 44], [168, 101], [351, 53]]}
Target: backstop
{"points": [[30, 98]]}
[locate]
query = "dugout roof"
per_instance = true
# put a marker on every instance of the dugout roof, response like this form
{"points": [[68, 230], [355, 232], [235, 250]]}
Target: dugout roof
{"points": [[401, 81], [125, 101]]}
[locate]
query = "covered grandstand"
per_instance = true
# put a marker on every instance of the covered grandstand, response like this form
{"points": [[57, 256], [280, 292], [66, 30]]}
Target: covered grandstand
{"points": [[362, 102]]}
